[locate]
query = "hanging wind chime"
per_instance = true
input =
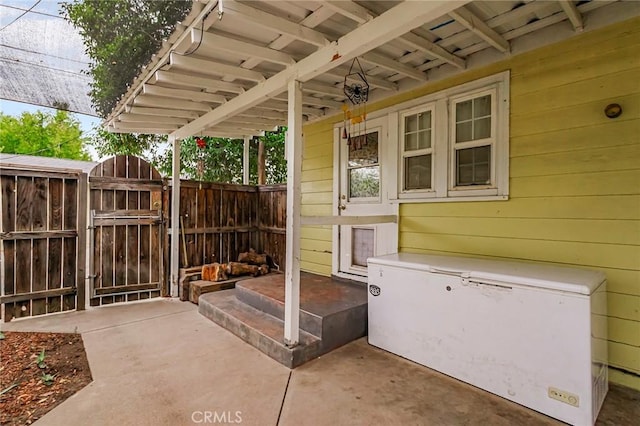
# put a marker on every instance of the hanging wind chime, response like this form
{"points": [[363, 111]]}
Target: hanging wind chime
{"points": [[356, 89], [202, 145]]}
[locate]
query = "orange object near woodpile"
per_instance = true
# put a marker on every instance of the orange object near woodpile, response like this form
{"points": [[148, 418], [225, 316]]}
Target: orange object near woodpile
{"points": [[249, 263]]}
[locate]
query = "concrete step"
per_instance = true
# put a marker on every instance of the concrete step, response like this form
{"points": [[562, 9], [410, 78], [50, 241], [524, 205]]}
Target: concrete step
{"points": [[257, 328], [309, 322]]}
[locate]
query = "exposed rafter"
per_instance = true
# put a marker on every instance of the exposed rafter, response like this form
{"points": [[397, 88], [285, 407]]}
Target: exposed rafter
{"points": [[361, 15], [476, 25], [313, 20], [275, 23], [393, 23], [393, 65], [574, 16], [209, 67], [191, 95], [323, 89], [213, 42], [162, 112], [161, 102], [141, 118], [189, 80]]}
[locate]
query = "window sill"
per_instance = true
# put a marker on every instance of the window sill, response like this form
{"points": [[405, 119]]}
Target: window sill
{"points": [[457, 199]]}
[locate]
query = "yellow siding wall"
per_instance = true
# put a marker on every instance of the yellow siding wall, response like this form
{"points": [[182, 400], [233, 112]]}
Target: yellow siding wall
{"points": [[574, 177]]}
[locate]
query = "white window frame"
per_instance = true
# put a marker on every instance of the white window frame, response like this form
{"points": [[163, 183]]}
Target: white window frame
{"points": [[443, 177], [466, 190], [403, 154]]}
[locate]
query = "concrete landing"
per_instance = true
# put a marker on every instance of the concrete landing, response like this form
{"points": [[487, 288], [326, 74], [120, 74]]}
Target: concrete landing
{"points": [[332, 314], [178, 366]]}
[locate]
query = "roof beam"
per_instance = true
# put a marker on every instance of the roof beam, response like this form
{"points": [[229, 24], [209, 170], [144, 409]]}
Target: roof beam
{"points": [[141, 118], [423, 45], [198, 82], [320, 15], [190, 95], [391, 24], [220, 43], [393, 65], [142, 130], [476, 25], [142, 127], [160, 102], [323, 89], [264, 113], [209, 67], [351, 10], [314, 101], [361, 15], [280, 106], [572, 13], [162, 112], [243, 121], [276, 23]]}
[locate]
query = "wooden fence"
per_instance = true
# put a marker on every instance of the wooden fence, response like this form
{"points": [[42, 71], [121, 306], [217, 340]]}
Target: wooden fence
{"points": [[219, 221], [126, 231], [42, 240]]}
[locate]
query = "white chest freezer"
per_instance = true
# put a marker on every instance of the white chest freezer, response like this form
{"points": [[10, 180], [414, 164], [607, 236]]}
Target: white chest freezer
{"points": [[535, 334]]}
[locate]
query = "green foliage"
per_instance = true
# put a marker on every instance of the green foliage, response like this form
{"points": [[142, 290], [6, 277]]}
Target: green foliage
{"points": [[120, 36], [45, 134], [146, 146], [40, 360], [222, 159], [47, 379]]}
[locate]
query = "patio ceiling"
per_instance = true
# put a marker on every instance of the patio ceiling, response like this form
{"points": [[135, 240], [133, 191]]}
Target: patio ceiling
{"points": [[224, 71]]}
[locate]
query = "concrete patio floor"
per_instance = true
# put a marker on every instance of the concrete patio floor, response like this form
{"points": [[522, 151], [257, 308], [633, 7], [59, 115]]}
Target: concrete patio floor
{"points": [[161, 363]]}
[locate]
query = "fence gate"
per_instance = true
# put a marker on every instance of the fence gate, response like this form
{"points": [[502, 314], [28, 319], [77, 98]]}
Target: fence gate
{"points": [[126, 238], [42, 235]]}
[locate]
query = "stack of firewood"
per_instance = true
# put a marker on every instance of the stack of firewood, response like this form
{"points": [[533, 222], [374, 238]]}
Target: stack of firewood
{"points": [[249, 263]]}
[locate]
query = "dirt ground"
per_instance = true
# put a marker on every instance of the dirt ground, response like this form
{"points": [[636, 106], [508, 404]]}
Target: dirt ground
{"points": [[31, 385]]}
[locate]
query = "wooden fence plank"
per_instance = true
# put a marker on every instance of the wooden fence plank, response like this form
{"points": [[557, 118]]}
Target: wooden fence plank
{"points": [[120, 259], [55, 204], [144, 256], [24, 203], [39, 275], [70, 204], [9, 266], [69, 272], [8, 187], [40, 204]]}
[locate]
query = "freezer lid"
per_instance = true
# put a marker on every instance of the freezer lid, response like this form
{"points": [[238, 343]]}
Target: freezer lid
{"points": [[538, 275]]}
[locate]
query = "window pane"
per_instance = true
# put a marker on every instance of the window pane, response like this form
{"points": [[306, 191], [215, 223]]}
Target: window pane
{"points": [[364, 182], [424, 139], [417, 172], [361, 246], [482, 128], [424, 120], [410, 142], [482, 106], [473, 166], [410, 123], [463, 131], [463, 111], [363, 151]]}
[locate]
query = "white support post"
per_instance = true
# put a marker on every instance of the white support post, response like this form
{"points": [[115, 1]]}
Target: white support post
{"points": [[245, 161], [175, 217], [294, 173]]}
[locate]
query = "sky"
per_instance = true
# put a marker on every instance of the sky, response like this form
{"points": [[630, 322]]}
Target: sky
{"points": [[43, 39]]}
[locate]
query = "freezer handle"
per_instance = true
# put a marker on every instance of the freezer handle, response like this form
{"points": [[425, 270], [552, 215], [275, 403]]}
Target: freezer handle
{"points": [[461, 274]]}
